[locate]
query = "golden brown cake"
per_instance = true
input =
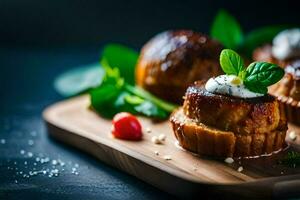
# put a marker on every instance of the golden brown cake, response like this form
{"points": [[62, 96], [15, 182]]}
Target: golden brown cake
{"points": [[173, 60], [287, 92], [226, 126]]}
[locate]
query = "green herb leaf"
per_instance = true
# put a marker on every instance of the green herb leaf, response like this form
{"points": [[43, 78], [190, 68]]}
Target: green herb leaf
{"points": [[231, 62], [115, 55], [259, 37], [292, 159], [114, 95], [260, 75], [103, 99], [227, 30], [79, 80], [146, 95]]}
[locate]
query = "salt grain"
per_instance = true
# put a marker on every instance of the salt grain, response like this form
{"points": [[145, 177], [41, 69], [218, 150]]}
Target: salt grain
{"points": [[156, 153], [293, 135], [30, 154], [30, 142], [22, 152], [229, 160], [54, 162], [2, 141]]}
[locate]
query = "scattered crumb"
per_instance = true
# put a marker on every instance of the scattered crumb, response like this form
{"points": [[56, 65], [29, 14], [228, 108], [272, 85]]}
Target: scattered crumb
{"points": [[167, 157], [229, 160], [293, 135], [158, 139], [156, 153], [240, 169], [148, 130], [155, 140], [281, 172], [162, 137]]}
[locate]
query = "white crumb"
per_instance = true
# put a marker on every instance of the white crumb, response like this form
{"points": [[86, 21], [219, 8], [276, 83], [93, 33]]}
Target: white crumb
{"points": [[167, 157], [229, 160], [240, 169], [293, 135], [155, 140], [162, 137], [148, 130]]}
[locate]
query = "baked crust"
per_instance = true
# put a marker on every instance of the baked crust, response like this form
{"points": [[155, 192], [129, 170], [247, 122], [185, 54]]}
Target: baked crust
{"points": [[173, 60], [206, 140], [264, 53], [240, 115], [287, 91]]}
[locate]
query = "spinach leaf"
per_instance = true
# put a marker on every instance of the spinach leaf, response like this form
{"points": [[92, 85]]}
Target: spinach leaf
{"points": [[125, 59], [114, 95], [227, 30], [146, 95], [79, 80]]}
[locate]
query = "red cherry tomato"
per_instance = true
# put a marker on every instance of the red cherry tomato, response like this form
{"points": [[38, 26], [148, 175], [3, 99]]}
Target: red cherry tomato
{"points": [[126, 126]]}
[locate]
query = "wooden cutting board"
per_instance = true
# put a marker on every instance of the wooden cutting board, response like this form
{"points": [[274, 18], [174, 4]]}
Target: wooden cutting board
{"points": [[186, 174]]}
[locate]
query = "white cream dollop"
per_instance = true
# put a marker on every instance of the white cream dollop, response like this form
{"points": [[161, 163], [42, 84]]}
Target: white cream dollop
{"points": [[229, 85], [286, 44]]}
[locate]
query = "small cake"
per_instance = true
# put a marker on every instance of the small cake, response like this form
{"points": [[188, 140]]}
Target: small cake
{"points": [[173, 60], [232, 115], [287, 92], [284, 50]]}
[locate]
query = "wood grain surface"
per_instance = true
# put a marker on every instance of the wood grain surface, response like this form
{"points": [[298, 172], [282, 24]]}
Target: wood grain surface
{"points": [[186, 174]]}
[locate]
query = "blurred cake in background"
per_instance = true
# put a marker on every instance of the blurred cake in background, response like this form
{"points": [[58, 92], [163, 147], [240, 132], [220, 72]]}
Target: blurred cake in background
{"points": [[284, 50], [173, 60]]}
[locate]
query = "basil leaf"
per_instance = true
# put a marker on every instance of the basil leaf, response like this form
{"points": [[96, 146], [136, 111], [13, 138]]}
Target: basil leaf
{"points": [[259, 37], [79, 80], [227, 30], [103, 99], [231, 62], [148, 96], [125, 59], [260, 75]]}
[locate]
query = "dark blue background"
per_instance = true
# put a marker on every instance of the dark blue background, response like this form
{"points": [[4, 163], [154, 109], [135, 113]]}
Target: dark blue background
{"points": [[41, 39]]}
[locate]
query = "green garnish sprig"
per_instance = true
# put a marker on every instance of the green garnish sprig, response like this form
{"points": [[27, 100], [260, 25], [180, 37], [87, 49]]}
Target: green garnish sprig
{"points": [[256, 77], [292, 159], [235, 38], [117, 92]]}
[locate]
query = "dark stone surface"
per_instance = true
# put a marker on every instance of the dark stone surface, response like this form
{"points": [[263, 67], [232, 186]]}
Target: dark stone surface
{"points": [[40, 39]]}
